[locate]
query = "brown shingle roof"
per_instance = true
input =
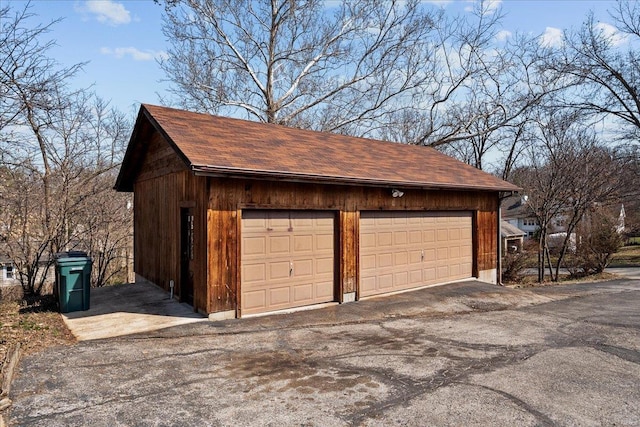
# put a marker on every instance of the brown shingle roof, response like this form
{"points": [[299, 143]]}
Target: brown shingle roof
{"points": [[231, 147]]}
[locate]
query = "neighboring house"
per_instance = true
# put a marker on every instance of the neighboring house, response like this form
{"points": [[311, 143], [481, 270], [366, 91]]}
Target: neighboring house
{"points": [[512, 237], [8, 274], [243, 218], [517, 212]]}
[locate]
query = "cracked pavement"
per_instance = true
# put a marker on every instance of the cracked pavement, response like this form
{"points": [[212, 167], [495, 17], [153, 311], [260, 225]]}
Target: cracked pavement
{"points": [[562, 355]]}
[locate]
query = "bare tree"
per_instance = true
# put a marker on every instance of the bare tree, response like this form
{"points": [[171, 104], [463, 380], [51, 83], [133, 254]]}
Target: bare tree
{"points": [[55, 143], [569, 172], [604, 62], [299, 63]]}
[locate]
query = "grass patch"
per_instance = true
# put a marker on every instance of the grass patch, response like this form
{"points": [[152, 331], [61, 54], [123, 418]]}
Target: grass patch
{"points": [[564, 279], [627, 256]]}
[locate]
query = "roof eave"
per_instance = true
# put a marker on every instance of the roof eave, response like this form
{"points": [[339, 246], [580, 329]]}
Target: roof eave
{"points": [[228, 172]]}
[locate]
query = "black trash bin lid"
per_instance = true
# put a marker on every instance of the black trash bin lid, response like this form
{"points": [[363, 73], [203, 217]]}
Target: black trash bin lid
{"points": [[70, 254]]}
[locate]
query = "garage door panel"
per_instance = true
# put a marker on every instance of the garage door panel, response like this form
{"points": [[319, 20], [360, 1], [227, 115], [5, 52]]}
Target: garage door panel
{"points": [[385, 281], [429, 255], [324, 242], [454, 252], [429, 274], [415, 237], [382, 221], [429, 236], [278, 270], [254, 299], [279, 296], [278, 244], [385, 239], [401, 278], [324, 290], [255, 273], [287, 259], [254, 246], [303, 293], [400, 238], [467, 269], [303, 268], [401, 258], [303, 243], [427, 248], [367, 240], [415, 257], [368, 285], [368, 262], [466, 252], [384, 260], [443, 272], [324, 268], [415, 277]]}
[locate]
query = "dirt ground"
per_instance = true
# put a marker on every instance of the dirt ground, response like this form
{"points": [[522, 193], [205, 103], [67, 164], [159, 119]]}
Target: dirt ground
{"points": [[35, 323]]}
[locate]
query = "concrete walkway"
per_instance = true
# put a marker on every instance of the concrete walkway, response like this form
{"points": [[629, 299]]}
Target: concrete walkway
{"points": [[128, 309], [628, 272], [142, 307]]}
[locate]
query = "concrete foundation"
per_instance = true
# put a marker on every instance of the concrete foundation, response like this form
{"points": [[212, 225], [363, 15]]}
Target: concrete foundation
{"points": [[350, 297], [222, 315], [489, 276]]}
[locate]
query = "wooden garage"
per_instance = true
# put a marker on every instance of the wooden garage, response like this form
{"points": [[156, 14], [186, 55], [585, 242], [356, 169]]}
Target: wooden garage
{"points": [[246, 218]]}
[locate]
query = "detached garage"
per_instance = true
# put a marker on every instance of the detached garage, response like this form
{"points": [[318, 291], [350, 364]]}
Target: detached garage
{"points": [[245, 218]]}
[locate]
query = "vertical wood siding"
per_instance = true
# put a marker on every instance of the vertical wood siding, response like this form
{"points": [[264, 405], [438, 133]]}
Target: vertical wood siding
{"points": [[164, 185], [487, 240], [228, 197]]}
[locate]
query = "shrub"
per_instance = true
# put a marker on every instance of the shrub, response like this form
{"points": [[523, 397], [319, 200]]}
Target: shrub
{"points": [[596, 246]]}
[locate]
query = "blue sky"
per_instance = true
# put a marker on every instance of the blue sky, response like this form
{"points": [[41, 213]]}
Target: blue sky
{"points": [[122, 39]]}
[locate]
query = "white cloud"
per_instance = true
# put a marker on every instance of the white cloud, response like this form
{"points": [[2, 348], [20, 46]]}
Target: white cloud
{"points": [[134, 53], [492, 5], [610, 32], [488, 6], [441, 3], [107, 11], [503, 35], [552, 37]]}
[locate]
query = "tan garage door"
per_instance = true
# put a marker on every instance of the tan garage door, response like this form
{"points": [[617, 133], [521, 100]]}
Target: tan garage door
{"points": [[403, 250], [287, 259]]}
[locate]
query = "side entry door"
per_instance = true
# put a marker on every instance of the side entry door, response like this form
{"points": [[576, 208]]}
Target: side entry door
{"points": [[186, 251]]}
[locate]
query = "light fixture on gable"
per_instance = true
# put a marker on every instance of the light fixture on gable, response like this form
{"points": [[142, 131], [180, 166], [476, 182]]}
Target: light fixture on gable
{"points": [[397, 193]]}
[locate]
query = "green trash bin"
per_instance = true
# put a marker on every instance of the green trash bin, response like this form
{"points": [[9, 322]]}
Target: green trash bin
{"points": [[73, 281]]}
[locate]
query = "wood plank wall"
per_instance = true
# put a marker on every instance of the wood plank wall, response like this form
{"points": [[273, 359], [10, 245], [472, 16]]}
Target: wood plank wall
{"points": [[227, 198], [163, 186], [487, 240]]}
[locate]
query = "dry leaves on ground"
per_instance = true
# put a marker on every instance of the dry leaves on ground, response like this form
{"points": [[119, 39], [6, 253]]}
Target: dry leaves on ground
{"points": [[34, 323]]}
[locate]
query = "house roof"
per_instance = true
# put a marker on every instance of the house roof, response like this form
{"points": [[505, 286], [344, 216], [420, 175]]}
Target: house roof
{"points": [[221, 146], [510, 230], [516, 207]]}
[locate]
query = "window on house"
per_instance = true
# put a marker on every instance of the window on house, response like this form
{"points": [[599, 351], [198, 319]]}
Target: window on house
{"points": [[9, 272], [530, 222]]}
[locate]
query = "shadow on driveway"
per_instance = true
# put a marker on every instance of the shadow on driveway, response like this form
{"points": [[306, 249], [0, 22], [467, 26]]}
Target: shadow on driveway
{"points": [[128, 309]]}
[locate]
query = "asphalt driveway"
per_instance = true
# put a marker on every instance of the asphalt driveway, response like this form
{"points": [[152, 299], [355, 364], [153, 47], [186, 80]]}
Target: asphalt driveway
{"points": [[466, 354]]}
